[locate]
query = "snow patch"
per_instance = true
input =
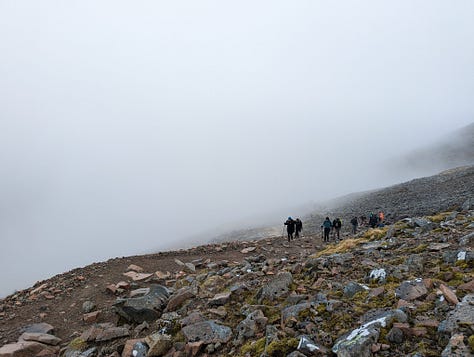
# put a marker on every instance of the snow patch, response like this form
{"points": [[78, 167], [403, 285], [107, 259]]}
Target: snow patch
{"points": [[462, 256]]}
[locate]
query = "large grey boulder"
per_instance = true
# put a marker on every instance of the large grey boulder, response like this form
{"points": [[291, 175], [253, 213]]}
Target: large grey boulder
{"points": [[276, 287], [251, 325], [207, 332], [411, 290], [144, 308]]}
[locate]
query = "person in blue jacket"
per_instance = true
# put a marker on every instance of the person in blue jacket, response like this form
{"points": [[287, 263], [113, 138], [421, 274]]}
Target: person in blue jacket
{"points": [[327, 225]]}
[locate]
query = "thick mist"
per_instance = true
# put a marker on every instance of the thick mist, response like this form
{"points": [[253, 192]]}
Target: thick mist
{"points": [[132, 128]]}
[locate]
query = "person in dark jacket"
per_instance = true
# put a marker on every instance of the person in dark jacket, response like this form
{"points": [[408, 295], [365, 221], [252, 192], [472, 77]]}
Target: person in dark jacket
{"points": [[298, 227], [290, 228], [373, 220], [354, 223], [327, 225], [337, 224]]}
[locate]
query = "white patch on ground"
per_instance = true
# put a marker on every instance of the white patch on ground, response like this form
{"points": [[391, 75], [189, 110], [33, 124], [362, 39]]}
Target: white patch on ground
{"points": [[363, 330], [378, 274], [462, 256]]}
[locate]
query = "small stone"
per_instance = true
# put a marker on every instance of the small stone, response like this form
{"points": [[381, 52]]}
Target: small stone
{"points": [[135, 268], [88, 306], [91, 317], [449, 294]]}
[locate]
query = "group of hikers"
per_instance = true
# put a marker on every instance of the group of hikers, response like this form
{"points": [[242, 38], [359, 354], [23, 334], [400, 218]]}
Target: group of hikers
{"points": [[295, 226]]}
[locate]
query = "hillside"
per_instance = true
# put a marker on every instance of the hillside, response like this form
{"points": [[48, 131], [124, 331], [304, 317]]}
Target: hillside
{"points": [[405, 289], [445, 191]]}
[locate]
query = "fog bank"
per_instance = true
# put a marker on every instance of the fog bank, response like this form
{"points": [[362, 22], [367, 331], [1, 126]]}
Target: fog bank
{"points": [[127, 128]]}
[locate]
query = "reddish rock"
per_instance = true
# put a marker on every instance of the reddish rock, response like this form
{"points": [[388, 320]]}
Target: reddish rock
{"points": [[137, 276], [91, 317], [24, 349], [428, 323], [161, 275], [111, 288], [112, 333], [135, 268], [376, 292], [178, 298], [192, 348], [449, 294], [123, 285], [469, 287]]}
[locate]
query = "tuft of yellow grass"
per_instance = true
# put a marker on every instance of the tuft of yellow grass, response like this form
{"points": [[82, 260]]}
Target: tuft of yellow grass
{"points": [[341, 247]]}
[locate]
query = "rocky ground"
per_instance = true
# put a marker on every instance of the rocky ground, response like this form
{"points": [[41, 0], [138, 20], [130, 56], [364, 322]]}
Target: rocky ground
{"points": [[406, 289]]}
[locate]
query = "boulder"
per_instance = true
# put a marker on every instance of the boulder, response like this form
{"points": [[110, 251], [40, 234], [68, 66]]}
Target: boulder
{"points": [[159, 344], [255, 322], [41, 338], [41, 327], [179, 298], [207, 332], [276, 287], [411, 290], [144, 308], [25, 349]]}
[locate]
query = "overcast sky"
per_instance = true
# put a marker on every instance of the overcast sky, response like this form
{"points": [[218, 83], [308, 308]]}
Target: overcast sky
{"points": [[126, 126]]}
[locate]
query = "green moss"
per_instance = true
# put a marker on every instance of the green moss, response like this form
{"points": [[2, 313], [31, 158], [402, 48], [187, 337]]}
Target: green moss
{"points": [[254, 348], [281, 348], [420, 249], [78, 344], [470, 341]]}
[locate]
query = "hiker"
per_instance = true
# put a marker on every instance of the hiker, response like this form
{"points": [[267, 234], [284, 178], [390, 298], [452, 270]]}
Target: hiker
{"points": [[354, 223], [298, 227], [327, 225], [381, 218], [373, 220], [363, 220], [337, 224], [290, 228]]}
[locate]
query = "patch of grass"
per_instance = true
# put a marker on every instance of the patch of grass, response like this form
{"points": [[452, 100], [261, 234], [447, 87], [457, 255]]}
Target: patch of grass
{"points": [[254, 348], [282, 347], [375, 233], [341, 247], [470, 341], [439, 217], [78, 344]]}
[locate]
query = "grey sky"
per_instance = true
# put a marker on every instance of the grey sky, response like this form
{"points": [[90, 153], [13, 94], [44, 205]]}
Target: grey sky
{"points": [[126, 126]]}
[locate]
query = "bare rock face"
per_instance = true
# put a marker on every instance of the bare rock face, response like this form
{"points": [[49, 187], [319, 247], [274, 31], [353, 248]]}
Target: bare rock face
{"points": [[145, 308], [207, 332]]}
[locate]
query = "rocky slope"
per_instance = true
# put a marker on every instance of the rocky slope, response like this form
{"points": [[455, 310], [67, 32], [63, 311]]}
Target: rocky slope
{"points": [[448, 190], [406, 289]]}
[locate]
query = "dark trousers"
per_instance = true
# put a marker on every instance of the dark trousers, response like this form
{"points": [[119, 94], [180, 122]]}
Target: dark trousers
{"points": [[290, 235], [326, 234]]}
